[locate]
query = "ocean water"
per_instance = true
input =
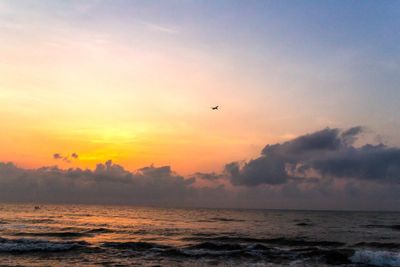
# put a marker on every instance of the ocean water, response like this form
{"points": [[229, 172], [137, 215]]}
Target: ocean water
{"points": [[79, 235]]}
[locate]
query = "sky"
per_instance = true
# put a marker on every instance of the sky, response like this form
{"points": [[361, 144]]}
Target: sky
{"points": [[133, 82]]}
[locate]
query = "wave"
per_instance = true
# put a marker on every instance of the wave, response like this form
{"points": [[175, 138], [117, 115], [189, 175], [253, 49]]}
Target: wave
{"points": [[160, 232], [376, 258], [66, 234], [392, 226], [216, 246], [200, 236], [146, 247], [138, 246], [29, 221], [274, 241], [212, 250], [51, 234], [378, 245], [330, 256], [221, 219], [304, 224], [206, 249], [34, 245], [79, 214], [100, 230], [218, 250], [38, 221]]}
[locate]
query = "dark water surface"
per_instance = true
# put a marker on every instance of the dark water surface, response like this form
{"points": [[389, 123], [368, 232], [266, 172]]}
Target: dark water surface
{"points": [[68, 235]]}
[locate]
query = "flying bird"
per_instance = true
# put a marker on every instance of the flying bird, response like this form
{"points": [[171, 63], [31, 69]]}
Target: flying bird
{"points": [[215, 108]]}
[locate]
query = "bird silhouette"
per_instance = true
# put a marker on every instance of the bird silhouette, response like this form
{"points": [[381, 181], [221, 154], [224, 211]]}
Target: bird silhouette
{"points": [[215, 108]]}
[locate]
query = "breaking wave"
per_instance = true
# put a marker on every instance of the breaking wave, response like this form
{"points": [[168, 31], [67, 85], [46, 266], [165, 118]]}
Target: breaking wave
{"points": [[377, 258]]}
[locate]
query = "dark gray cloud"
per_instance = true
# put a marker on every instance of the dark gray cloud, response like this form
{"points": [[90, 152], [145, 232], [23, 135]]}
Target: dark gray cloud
{"points": [[262, 170], [208, 176], [326, 153], [373, 162], [108, 183], [321, 170]]}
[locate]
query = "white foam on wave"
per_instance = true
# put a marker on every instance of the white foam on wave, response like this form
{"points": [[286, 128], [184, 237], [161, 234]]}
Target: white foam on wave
{"points": [[377, 258]]}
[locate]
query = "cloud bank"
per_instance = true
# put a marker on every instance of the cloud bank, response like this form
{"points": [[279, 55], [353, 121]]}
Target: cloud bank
{"points": [[320, 170], [328, 153]]}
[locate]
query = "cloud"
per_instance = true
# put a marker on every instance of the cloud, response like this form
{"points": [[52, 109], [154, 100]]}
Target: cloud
{"points": [[107, 183], [320, 170], [209, 176], [370, 162], [57, 156], [258, 171], [325, 153], [67, 159]]}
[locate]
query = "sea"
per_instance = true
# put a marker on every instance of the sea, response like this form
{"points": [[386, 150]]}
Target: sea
{"points": [[88, 235]]}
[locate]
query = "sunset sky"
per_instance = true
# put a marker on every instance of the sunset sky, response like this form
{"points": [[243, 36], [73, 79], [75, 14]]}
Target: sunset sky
{"points": [[133, 81]]}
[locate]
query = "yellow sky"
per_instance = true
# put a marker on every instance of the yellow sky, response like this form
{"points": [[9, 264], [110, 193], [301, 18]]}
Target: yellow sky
{"points": [[104, 98], [105, 101]]}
